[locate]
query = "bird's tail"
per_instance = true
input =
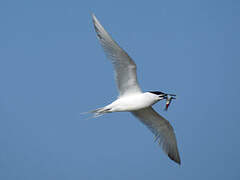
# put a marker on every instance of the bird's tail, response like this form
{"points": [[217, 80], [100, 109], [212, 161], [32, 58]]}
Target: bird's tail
{"points": [[98, 112]]}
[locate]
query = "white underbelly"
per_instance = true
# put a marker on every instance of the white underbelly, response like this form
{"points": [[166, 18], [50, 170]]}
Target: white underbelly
{"points": [[131, 103]]}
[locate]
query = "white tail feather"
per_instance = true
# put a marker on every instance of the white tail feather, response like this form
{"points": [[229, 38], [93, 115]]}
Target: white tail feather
{"points": [[98, 112]]}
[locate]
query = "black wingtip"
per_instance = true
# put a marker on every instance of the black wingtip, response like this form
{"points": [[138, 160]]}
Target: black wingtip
{"points": [[175, 159]]}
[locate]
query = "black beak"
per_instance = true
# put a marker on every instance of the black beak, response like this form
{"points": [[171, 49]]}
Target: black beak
{"points": [[165, 96]]}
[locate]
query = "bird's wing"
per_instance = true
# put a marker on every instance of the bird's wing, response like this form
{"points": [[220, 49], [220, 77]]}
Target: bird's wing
{"points": [[125, 68], [162, 129]]}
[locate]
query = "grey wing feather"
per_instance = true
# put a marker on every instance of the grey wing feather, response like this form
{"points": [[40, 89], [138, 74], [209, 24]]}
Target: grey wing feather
{"points": [[125, 68], [162, 129]]}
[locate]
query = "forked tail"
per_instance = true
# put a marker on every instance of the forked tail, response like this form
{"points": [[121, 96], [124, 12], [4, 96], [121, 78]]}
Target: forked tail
{"points": [[99, 112]]}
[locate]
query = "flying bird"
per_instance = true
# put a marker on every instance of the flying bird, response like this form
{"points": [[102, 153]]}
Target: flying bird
{"points": [[132, 99]]}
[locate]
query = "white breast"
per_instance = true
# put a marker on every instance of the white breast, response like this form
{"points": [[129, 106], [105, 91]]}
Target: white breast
{"points": [[133, 102]]}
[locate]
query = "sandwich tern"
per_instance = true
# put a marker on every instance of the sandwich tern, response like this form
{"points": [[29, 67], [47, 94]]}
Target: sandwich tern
{"points": [[132, 99]]}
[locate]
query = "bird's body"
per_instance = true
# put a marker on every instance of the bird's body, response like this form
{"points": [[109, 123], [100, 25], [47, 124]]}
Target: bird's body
{"points": [[131, 98], [132, 102]]}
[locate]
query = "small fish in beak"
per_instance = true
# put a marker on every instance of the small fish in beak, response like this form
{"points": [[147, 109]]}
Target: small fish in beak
{"points": [[169, 99]]}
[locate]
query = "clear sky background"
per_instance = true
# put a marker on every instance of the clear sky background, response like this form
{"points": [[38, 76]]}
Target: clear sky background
{"points": [[52, 68]]}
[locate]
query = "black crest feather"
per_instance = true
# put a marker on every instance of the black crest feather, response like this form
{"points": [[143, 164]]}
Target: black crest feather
{"points": [[157, 92]]}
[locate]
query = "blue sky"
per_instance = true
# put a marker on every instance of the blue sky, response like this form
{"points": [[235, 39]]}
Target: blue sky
{"points": [[52, 68]]}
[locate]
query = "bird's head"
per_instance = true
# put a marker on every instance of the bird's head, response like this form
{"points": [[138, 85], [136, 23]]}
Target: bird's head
{"points": [[160, 95]]}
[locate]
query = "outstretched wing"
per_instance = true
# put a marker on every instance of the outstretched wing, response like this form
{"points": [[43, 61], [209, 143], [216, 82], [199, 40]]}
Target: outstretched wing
{"points": [[162, 129], [125, 68]]}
